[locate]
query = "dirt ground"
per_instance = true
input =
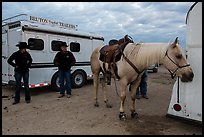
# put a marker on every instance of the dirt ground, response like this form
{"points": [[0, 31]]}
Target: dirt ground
{"points": [[48, 115]]}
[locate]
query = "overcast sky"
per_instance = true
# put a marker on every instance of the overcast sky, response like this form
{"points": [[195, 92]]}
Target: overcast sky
{"points": [[143, 21]]}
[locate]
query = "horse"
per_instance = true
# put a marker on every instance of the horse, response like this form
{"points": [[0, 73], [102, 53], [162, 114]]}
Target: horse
{"points": [[135, 58]]}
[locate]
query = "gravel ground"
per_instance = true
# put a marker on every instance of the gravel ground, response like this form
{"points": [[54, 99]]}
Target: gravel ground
{"points": [[48, 115]]}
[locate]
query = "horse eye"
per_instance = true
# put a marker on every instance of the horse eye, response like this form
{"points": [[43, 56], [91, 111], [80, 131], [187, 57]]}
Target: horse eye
{"points": [[179, 56]]}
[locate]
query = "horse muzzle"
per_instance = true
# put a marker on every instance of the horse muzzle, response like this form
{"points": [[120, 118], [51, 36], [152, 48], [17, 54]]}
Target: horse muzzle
{"points": [[187, 77]]}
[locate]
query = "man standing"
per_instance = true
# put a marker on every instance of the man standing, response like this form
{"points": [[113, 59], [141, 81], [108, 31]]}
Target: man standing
{"points": [[64, 60], [22, 63]]}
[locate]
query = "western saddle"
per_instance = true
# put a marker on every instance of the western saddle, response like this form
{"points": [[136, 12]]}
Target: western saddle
{"points": [[112, 53]]}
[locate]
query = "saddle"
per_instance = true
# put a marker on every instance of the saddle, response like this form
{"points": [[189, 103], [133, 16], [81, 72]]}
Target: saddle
{"points": [[112, 53]]}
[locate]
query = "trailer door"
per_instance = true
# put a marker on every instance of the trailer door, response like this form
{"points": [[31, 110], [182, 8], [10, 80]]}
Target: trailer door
{"points": [[5, 67]]}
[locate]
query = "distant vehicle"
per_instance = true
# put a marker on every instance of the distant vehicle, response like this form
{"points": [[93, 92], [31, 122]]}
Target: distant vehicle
{"points": [[154, 68], [44, 36]]}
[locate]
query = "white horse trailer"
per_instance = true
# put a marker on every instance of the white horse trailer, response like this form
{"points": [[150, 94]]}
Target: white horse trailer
{"points": [[186, 99], [44, 36]]}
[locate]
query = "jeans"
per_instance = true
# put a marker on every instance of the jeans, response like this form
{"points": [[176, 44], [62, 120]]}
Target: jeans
{"points": [[65, 75], [143, 84], [18, 76]]}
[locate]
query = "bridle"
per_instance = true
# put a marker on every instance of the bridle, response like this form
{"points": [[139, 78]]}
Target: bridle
{"points": [[173, 73]]}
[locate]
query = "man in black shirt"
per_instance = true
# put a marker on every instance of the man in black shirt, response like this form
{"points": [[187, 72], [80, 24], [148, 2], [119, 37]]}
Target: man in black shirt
{"points": [[64, 60], [22, 63]]}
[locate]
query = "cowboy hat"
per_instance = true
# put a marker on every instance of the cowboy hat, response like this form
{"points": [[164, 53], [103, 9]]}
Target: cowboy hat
{"points": [[22, 45], [63, 44]]}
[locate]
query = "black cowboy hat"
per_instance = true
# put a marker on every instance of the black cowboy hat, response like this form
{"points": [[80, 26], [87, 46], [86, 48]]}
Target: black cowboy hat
{"points": [[63, 44], [22, 45]]}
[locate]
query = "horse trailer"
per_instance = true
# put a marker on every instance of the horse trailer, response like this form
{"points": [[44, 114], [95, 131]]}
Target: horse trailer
{"points": [[44, 36], [186, 99]]}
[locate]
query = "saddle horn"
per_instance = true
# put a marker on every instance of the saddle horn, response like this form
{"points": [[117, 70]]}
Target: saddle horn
{"points": [[128, 38]]}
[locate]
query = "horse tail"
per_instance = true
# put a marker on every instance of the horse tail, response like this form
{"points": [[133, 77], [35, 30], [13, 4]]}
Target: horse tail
{"points": [[94, 59]]}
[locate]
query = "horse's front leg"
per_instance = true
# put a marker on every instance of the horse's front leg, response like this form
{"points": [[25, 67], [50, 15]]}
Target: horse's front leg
{"points": [[95, 88], [104, 89], [134, 87], [123, 88]]}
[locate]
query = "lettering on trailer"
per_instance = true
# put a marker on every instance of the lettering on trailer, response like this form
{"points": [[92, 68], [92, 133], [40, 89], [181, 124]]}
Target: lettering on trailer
{"points": [[50, 22]]}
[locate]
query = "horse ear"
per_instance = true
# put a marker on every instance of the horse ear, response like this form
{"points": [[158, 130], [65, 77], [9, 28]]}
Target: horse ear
{"points": [[176, 41]]}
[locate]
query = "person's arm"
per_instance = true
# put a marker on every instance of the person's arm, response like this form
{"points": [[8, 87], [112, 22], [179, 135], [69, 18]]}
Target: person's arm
{"points": [[73, 60], [30, 60], [11, 59], [56, 60]]}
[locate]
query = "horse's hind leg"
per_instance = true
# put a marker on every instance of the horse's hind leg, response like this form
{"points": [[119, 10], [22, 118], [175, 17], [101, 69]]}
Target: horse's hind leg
{"points": [[123, 88], [134, 87], [104, 89], [95, 88], [95, 68]]}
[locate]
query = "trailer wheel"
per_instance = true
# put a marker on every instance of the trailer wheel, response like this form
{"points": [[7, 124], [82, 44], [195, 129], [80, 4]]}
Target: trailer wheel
{"points": [[78, 79], [55, 82]]}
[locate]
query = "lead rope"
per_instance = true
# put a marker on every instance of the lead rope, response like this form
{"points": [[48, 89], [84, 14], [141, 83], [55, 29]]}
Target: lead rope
{"points": [[178, 91]]}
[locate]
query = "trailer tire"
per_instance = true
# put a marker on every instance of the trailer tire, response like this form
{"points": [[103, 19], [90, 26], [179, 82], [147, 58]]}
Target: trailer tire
{"points": [[55, 82], [78, 78]]}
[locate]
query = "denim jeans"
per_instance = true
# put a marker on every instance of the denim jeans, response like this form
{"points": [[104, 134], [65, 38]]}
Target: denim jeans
{"points": [[65, 75], [18, 76], [143, 84]]}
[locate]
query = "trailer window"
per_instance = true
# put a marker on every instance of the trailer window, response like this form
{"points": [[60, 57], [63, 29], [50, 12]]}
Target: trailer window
{"points": [[74, 47], [55, 45], [14, 25], [36, 44]]}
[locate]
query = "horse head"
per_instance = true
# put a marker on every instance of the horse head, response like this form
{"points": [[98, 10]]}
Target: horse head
{"points": [[176, 63]]}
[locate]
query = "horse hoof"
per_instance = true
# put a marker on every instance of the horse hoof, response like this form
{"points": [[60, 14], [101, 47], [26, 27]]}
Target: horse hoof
{"points": [[122, 116], [134, 114]]}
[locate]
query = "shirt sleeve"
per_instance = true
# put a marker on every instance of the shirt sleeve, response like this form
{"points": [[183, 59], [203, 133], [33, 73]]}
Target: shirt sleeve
{"points": [[11, 59], [73, 60], [56, 60], [30, 60]]}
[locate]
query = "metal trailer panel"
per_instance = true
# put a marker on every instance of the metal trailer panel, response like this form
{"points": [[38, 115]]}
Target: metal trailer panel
{"points": [[5, 77], [13, 37], [190, 94]]}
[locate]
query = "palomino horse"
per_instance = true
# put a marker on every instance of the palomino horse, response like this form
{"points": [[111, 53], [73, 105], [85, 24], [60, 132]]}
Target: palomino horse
{"points": [[136, 57]]}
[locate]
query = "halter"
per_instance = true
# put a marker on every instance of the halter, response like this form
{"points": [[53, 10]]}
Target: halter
{"points": [[173, 74]]}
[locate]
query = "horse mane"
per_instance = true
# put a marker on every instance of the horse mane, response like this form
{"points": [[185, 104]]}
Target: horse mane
{"points": [[150, 53]]}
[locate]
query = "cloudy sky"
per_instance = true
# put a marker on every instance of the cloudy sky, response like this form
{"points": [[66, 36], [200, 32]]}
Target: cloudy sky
{"points": [[143, 21]]}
